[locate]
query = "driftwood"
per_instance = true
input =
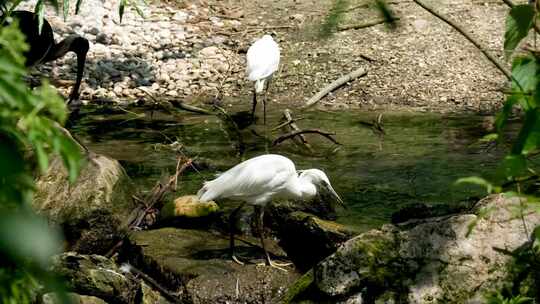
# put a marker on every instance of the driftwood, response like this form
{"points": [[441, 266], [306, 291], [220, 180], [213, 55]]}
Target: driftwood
{"points": [[364, 24], [292, 126], [292, 134], [155, 199], [334, 85], [458, 28], [138, 218]]}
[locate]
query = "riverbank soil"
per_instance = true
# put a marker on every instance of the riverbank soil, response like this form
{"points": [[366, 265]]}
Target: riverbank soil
{"points": [[195, 51]]}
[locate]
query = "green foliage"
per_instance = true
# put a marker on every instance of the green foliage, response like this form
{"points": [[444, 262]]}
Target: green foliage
{"points": [[134, 4], [386, 13], [518, 23], [29, 120], [498, 298], [6, 7], [334, 17], [475, 180]]}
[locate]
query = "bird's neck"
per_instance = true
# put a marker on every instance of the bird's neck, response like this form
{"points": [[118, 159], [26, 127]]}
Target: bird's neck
{"points": [[306, 188]]}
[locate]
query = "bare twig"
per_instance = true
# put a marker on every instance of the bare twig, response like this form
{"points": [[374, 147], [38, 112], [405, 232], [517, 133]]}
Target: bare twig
{"points": [[458, 28], [292, 134], [174, 298], [334, 85], [363, 25], [179, 104], [153, 201], [293, 127], [286, 123]]}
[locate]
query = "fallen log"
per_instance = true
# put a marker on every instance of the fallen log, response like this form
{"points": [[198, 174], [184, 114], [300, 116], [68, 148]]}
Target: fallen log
{"points": [[334, 85]]}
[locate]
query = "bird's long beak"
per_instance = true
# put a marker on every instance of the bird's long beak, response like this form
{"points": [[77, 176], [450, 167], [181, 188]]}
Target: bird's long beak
{"points": [[334, 193]]}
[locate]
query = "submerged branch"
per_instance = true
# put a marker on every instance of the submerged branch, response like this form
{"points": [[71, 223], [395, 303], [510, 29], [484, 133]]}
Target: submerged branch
{"points": [[292, 134], [290, 121], [190, 108]]}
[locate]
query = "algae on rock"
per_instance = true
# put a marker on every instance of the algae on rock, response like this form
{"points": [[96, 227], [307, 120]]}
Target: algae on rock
{"points": [[90, 211]]}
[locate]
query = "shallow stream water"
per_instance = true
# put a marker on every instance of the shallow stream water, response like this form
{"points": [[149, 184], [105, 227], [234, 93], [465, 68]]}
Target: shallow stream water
{"points": [[417, 160]]}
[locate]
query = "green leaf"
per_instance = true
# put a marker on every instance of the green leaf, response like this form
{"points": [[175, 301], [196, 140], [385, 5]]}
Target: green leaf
{"points": [[528, 138], [514, 165], [43, 160], [475, 180], [40, 12], [490, 137], [387, 14], [23, 235], [524, 73], [121, 8], [518, 23], [78, 6], [65, 9]]}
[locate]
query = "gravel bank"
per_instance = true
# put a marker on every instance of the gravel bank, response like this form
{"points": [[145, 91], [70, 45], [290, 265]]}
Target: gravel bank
{"points": [[194, 50]]}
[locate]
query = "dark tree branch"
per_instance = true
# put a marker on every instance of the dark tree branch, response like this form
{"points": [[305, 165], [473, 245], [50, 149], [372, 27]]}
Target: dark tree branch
{"points": [[292, 134], [293, 127]]}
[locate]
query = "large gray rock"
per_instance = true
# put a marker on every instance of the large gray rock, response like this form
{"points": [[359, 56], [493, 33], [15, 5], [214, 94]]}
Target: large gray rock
{"points": [[432, 260], [92, 210]]}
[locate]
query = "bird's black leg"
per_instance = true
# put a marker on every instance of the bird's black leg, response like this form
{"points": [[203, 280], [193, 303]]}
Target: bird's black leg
{"points": [[254, 106], [264, 109], [79, 46], [268, 81], [259, 210], [232, 219]]}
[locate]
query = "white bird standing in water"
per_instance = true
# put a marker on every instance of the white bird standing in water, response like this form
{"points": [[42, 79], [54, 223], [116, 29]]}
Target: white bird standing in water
{"points": [[257, 181], [262, 63]]}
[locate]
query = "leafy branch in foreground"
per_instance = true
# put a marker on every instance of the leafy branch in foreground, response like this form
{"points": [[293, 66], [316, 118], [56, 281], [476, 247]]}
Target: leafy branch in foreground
{"points": [[28, 122]]}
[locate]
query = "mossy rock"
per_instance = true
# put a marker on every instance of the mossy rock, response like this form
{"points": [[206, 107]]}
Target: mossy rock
{"points": [[188, 206], [196, 265], [91, 211], [96, 276], [74, 298], [308, 239]]}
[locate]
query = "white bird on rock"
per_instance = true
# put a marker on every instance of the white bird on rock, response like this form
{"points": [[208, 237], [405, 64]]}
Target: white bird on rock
{"points": [[262, 63], [257, 181]]}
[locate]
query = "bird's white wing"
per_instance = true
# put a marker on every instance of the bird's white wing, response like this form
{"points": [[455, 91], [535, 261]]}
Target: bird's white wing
{"points": [[262, 59], [259, 176]]}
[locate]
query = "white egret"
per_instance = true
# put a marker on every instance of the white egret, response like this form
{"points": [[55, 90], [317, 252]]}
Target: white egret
{"points": [[262, 63], [257, 181]]}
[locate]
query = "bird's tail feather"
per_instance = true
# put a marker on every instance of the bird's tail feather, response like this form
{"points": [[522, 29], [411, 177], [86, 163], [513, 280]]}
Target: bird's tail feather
{"points": [[259, 85]]}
